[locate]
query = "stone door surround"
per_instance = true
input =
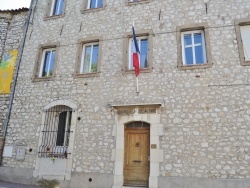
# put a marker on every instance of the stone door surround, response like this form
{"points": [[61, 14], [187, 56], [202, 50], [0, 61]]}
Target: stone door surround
{"points": [[149, 113]]}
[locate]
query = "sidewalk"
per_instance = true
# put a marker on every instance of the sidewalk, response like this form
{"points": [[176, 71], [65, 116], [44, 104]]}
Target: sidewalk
{"points": [[4, 184]]}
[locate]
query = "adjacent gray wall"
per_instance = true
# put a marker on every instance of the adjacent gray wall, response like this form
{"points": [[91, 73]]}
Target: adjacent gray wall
{"points": [[11, 33]]}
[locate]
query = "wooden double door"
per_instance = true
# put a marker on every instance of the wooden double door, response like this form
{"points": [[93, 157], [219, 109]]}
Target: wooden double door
{"points": [[137, 156]]}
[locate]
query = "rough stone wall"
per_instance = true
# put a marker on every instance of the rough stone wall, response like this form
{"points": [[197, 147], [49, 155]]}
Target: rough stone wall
{"points": [[11, 32], [206, 111]]}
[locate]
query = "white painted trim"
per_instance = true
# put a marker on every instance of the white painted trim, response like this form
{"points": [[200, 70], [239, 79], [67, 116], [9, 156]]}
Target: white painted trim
{"points": [[68, 103]]}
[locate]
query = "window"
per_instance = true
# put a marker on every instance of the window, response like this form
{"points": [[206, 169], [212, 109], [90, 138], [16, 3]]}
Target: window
{"points": [[56, 132], [46, 61], [55, 8], [136, 1], [143, 57], [243, 33], [193, 48], [92, 4], [144, 40], [88, 58]]}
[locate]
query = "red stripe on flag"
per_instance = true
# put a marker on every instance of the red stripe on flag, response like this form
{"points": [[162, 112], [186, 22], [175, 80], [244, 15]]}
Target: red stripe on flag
{"points": [[136, 64]]}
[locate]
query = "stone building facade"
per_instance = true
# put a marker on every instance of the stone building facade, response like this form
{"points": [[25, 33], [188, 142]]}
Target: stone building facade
{"points": [[11, 33], [188, 124]]}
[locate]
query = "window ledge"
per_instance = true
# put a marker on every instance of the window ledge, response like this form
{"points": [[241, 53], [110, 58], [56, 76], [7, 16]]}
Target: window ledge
{"points": [[40, 79], [190, 67], [54, 17], [86, 75], [92, 10], [245, 63], [129, 3], [141, 71]]}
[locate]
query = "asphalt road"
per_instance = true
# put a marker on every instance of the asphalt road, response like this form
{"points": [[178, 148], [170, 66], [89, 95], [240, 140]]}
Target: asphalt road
{"points": [[4, 184]]}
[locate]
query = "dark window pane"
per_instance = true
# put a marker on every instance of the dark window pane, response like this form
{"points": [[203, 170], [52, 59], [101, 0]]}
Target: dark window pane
{"points": [[58, 7], [189, 56], [61, 129], [52, 62], [137, 124], [94, 58], [61, 7], [144, 53], [199, 56], [93, 3], [46, 63], [197, 38], [87, 57], [99, 3], [187, 39]]}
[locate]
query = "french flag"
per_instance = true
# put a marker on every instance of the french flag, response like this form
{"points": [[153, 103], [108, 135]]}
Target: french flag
{"points": [[136, 53]]}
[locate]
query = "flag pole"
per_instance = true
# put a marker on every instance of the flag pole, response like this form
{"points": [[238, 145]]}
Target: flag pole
{"points": [[137, 84], [137, 80]]}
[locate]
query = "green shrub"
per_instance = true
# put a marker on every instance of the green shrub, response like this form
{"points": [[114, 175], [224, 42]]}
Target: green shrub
{"points": [[48, 183]]}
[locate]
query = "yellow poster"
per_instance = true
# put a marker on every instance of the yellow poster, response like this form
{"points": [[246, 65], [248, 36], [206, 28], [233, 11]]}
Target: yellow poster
{"points": [[7, 67]]}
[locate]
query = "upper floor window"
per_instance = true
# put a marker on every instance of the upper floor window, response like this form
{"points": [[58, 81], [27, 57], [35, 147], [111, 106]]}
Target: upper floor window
{"points": [[45, 62], [193, 47], [94, 4], [143, 48], [145, 45], [243, 33], [57, 7], [89, 60], [88, 57]]}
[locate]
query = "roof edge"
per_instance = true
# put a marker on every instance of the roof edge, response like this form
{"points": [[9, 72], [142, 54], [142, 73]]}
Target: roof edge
{"points": [[13, 11]]}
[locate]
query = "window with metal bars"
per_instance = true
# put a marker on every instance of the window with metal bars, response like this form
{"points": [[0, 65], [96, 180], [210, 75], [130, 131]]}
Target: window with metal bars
{"points": [[56, 132]]}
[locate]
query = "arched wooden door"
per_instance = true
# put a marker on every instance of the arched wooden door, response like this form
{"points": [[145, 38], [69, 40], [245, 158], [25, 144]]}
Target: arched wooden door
{"points": [[137, 153]]}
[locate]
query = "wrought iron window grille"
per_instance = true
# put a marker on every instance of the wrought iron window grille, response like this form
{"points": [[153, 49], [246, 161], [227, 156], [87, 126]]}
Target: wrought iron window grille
{"points": [[56, 132]]}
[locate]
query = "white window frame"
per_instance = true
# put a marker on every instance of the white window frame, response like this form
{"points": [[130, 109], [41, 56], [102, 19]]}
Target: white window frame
{"points": [[131, 46], [43, 62], [193, 47], [89, 3], [244, 43], [83, 56], [53, 6]]}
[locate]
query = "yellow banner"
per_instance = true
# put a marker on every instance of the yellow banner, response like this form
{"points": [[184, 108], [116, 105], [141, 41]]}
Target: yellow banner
{"points": [[7, 67]]}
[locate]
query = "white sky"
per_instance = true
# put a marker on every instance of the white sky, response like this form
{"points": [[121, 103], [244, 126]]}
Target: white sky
{"points": [[14, 4]]}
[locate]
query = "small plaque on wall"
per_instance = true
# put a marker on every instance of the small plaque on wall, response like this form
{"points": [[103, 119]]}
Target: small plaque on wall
{"points": [[153, 146], [20, 152]]}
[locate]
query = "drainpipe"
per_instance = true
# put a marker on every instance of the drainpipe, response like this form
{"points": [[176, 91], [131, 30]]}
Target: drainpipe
{"points": [[20, 53]]}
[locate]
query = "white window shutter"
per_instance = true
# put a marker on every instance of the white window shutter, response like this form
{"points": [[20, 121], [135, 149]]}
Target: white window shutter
{"points": [[245, 35]]}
